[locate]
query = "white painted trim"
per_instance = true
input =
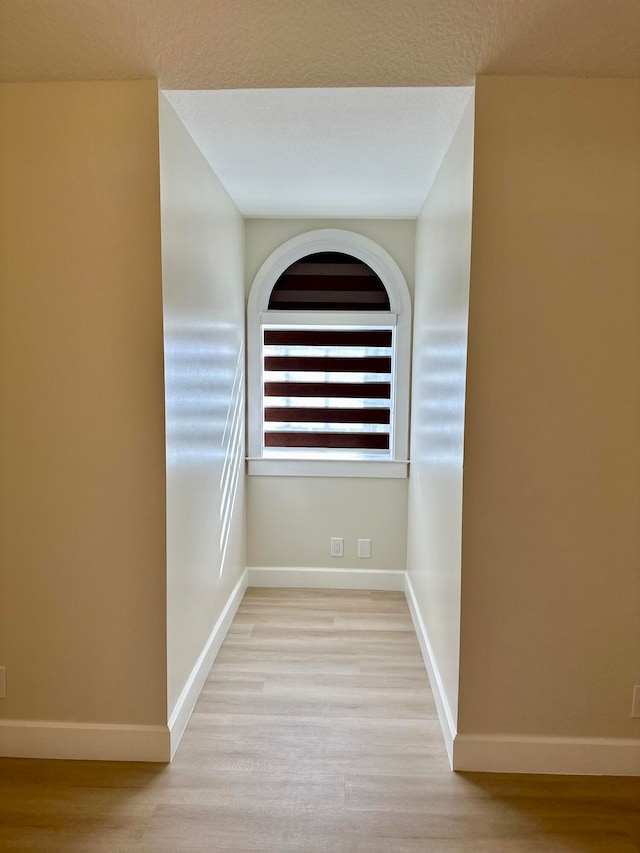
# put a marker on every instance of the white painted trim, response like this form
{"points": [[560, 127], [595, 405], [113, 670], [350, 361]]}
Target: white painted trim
{"points": [[83, 741], [300, 578], [193, 687], [562, 755], [381, 262], [445, 717]]}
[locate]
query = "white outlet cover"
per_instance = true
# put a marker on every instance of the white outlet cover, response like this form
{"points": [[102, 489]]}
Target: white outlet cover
{"points": [[364, 548], [635, 705], [3, 683]]}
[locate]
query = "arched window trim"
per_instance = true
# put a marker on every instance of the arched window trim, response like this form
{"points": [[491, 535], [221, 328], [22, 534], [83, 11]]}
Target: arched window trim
{"points": [[381, 262]]}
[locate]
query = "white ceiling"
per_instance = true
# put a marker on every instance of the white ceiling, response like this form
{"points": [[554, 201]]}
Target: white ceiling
{"points": [[324, 152], [313, 143]]}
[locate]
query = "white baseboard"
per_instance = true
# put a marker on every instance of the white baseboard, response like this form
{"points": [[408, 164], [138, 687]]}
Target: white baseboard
{"points": [[190, 692], [83, 741], [467, 752], [381, 579], [105, 742], [520, 753], [560, 755], [445, 717]]}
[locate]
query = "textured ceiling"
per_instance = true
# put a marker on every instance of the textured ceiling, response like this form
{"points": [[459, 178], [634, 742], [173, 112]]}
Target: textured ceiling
{"points": [[334, 151], [246, 44], [324, 152]]}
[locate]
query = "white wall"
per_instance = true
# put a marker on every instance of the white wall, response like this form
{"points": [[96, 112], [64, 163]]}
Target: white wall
{"points": [[290, 520], [203, 293], [82, 473], [443, 254], [551, 535]]}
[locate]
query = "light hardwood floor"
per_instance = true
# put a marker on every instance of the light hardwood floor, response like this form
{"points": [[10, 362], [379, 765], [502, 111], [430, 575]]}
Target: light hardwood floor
{"points": [[316, 731]]}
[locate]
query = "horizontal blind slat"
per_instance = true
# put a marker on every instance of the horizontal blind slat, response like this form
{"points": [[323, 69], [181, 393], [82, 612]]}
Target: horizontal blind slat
{"points": [[327, 364], [359, 390], [329, 337], [320, 297], [312, 281], [325, 269], [366, 441], [323, 306], [338, 416]]}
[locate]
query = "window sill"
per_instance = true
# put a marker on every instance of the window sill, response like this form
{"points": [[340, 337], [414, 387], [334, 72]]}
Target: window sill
{"points": [[387, 469]]}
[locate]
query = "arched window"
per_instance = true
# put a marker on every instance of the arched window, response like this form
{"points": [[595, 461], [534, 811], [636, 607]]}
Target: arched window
{"points": [[328, 347]]}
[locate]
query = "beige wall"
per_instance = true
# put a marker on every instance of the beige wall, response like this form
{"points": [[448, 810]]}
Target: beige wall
{"points": [[82, 474], [264, 236], [443, 254], [290, 520], [203, 292], [551, 536]]}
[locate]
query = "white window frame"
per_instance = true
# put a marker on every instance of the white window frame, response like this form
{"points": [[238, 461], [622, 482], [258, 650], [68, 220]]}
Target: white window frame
{"points": [[381, 262]]}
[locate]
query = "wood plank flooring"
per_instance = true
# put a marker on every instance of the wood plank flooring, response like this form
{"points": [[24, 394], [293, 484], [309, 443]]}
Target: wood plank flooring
{"points": [[316, 731]]}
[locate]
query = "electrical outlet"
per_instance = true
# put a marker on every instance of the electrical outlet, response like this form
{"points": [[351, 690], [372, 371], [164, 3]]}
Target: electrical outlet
{"points": [[635, 705], [337, 546], [364, 548], [3, 683]]}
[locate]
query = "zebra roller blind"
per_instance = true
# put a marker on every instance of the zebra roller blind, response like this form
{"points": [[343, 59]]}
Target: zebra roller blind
{"points": [[328, 387]]}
